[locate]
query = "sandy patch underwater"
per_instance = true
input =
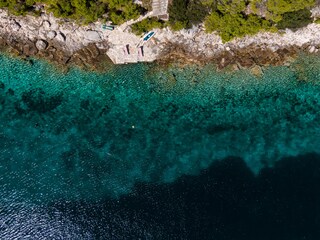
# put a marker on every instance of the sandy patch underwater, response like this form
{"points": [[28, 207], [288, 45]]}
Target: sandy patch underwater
{"points": [[85, 135]]}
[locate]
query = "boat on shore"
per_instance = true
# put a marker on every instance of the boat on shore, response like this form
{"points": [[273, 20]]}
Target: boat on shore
{"points": [[148, 36]]}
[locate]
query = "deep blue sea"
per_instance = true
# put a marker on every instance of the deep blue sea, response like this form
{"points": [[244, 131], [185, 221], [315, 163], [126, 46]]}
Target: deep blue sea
{"points": [[141, 152]]}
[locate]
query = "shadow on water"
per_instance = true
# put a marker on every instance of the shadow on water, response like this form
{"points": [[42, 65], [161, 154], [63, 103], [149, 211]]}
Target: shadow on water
{"points": [[225, 201]]}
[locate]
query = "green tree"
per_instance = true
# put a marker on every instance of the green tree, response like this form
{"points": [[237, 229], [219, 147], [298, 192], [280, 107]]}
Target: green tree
{"points": [[185, 13], [147, 25], [230, 26], [231, 6], [296, 19], [276, 8], [196, 12], [177, 13]]}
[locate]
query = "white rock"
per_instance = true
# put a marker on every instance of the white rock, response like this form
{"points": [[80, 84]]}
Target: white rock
{"points": [[46, 24], [15, 26], [92, 35], [51, 35], [41, 44], [312, 49], [32, 28], [60, 37]]}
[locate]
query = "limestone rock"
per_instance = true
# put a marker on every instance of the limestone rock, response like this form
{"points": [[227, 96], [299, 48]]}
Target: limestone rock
{"points": [[60, 37], [51, 35], [92, 36], [46, 24], [29, 49], [41, 44], [312, 49], [256, 71], [15, 26]]}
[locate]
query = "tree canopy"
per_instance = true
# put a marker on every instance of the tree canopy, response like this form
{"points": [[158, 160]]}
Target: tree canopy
{"points": [[84, 11], [275, 9], [185, 13], [229, 18]]}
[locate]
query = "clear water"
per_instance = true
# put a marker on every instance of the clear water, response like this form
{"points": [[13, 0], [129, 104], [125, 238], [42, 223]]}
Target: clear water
{"points": [[87, 136]]}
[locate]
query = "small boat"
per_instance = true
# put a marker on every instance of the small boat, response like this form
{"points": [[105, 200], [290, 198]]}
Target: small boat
{"points": [[108, 27], [148, 36]]}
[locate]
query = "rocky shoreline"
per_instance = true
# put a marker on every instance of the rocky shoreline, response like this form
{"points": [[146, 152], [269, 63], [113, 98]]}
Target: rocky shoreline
{"points": [[66, 43]]}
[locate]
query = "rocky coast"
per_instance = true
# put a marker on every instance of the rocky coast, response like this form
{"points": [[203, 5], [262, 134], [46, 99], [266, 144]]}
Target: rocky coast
{"points": [[64, 42]]}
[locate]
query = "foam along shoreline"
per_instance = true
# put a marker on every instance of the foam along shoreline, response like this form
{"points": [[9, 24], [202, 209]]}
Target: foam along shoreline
{"points": [[66, 42]]}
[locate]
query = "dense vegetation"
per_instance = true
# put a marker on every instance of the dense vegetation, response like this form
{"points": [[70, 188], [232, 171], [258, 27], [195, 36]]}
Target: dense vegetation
{"points": [[235, 25], [84, 11], [147, 25], [236, 18], [229, 18], [275, 9], [185, 13], [295, 20]]}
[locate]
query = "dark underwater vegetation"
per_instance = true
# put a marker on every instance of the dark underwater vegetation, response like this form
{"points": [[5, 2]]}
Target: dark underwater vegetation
{"points": [[143, 153]]}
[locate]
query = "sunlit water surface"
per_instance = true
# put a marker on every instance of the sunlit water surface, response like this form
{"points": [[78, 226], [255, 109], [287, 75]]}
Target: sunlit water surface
{"points": [[85, 136]]}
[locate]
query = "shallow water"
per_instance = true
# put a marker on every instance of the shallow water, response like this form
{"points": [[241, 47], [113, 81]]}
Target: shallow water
{"points": [[85, 136]]}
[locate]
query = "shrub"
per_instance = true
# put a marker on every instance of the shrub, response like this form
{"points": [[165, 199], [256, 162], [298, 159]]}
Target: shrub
{"points": [[147, 4], [185, 13], [177, 12], [196, 12], [84, 11], [147, 25], [231, 26], [275, 9], [231, 6], [296, 19]]}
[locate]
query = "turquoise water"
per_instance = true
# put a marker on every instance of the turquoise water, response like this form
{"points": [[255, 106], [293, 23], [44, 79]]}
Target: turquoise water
{"points": [[85, 135]]}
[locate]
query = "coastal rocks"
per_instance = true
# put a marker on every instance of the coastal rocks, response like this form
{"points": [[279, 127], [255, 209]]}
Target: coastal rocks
{"points": [[64, 41], [29, 49], [2, 42], [92, 36], [312, 49], [51, 35], [15, 45], [60, 37], [46, 25], [253, 56], [85, 56], [15, 26], [89, 57], [41, 44], [256, 71]]}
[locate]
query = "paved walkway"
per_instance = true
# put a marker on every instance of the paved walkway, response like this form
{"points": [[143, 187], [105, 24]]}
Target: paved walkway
{"points": [[121, 38], [159, 7]]}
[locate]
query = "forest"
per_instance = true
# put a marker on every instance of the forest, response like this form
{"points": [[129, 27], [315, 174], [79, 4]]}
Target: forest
{"points": [[229, 18], [84, 11], [236, 18]]}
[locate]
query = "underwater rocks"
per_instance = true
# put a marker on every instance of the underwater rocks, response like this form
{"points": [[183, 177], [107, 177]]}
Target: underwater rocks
{"points": [[89, 57], [56, 40]]}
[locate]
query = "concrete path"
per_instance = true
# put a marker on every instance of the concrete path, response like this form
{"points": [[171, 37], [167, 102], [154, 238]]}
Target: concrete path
{"points": [[120, 38], [159, 7]]}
